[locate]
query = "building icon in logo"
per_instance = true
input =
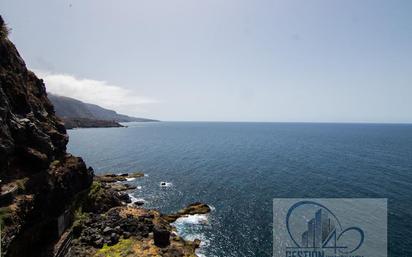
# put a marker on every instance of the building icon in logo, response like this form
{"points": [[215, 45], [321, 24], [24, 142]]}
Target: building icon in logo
{"points": [[330, 227], [319, 230]]}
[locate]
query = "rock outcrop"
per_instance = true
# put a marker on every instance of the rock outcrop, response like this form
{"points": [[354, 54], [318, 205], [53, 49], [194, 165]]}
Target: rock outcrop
{"points": [[114, 228], [39, 179], [118, 177], [191, 209]]}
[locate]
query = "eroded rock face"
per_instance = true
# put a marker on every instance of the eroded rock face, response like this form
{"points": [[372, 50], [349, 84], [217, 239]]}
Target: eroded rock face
{"points": [[191, 209], [33, 159], [111, 177], [31, 136]]}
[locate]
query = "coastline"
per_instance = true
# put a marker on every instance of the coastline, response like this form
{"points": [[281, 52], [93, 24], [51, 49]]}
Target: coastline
{"points": [[72, 123], [106, 228], [82, 123], [51, 203]]}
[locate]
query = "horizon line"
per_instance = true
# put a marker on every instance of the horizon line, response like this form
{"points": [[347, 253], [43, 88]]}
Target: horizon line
{"points": [[298, 122]]}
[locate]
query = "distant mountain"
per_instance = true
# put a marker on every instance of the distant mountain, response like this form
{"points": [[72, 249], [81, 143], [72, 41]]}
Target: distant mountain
{"points": [[76, 113]]}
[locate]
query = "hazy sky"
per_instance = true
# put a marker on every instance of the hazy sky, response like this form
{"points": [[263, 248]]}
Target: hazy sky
{"points": [[224, 60]]}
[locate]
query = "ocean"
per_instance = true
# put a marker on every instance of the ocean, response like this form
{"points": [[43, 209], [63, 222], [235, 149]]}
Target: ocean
{"points": [[238, 168]]}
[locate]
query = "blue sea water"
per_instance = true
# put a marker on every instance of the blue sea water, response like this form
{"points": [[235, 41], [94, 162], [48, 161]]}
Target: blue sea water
{"points": [[238, 168]]}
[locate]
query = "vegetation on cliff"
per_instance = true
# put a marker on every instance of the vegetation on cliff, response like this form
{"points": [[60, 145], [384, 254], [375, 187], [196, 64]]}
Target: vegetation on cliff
{"points": [[4, 30]]}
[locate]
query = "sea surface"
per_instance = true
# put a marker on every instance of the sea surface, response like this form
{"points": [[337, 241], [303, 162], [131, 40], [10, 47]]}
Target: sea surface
{"points": [[238, 168]]}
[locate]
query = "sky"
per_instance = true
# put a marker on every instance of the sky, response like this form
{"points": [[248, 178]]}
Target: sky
{"points": [[224, 60]]}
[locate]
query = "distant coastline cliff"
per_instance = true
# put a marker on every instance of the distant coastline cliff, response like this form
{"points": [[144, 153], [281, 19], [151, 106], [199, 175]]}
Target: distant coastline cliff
{"points": [[77, 114]]}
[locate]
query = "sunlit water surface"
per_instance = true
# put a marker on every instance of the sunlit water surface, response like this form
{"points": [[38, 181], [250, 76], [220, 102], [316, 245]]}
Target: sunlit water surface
{"points": [[238, 168]]}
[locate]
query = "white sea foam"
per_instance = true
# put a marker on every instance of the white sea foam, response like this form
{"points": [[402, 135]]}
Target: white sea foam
{"points": [[139, 187], [132, 198], [183, 225], [192, 219], [189, 228], [204, 241]]}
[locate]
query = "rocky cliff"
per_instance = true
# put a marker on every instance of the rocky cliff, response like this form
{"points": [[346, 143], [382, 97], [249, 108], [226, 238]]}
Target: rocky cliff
{"points": [[39, 179], [49, 204]]}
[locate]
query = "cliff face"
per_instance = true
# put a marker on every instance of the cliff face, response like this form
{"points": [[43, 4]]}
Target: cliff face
{"points": [[42, 186], [70, 109], [39, 179]]}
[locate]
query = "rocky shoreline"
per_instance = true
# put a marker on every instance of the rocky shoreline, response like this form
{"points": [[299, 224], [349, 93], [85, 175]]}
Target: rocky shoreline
{"points": [[72, 123], [51, 204], [107, 223]]}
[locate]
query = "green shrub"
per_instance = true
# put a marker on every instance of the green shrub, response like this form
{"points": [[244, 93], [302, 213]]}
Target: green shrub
{"points": [[4, 30], [96, 191], [80, 218], [121, 249], [79, 215]]}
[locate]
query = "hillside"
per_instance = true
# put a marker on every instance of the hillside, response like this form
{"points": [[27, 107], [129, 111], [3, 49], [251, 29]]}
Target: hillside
{"points": [[76, 113]]}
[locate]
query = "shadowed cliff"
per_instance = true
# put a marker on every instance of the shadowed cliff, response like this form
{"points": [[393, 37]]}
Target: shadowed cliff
{"points": [[39, 179]]}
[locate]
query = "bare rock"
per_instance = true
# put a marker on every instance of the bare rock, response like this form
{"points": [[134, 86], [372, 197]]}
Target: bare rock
{"points": [[191, 209]]}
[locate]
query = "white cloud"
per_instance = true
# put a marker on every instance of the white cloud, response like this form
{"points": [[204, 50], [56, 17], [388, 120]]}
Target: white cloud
{"points": [[122, 100]]}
